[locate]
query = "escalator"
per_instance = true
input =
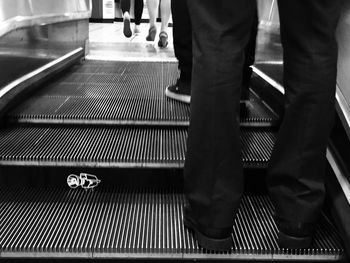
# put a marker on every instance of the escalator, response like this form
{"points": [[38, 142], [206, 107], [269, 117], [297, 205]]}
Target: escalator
{"points": [[107, 129]]}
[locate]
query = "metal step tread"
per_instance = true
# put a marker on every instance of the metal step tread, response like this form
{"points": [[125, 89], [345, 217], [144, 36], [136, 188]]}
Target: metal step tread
{"points": [[138, 223], [118, 93], [115, 147]]}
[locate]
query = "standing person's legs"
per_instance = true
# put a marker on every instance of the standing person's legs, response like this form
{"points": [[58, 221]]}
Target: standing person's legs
{"points": [[165, 13], [213, 168], [138, 10], [125, 6], [249, 59], [297, 166], [152, 6], [182, 34]]}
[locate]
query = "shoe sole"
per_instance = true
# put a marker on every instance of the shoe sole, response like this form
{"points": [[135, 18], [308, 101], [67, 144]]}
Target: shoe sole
{"points": [[163, 41], [215, 244], [151, 34], [126, 29], [182, 98], [291, 242], [162, 44]]}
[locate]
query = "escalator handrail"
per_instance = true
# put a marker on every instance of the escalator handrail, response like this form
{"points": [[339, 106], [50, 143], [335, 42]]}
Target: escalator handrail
{"points": [[81, 10], [343, 110], [11, 91]]}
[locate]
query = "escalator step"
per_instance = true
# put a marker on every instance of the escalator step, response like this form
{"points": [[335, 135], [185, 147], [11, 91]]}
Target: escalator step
{"points": [[139, 224], [113, 147], [119, 93]]}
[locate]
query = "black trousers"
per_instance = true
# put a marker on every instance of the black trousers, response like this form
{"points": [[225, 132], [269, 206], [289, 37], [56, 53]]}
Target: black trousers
{"points": [[213, 168], [249, 57], [182, 33], [138, 9]]}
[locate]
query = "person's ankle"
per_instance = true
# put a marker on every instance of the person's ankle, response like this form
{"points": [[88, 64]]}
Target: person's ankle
{"points": [[152, 26], [137, 29], [126, 15]]}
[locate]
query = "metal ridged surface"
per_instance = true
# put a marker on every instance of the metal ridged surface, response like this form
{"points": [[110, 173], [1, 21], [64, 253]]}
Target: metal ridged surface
{"points": [[258, 113], [119, 223], [114, 146], [117, 93]]}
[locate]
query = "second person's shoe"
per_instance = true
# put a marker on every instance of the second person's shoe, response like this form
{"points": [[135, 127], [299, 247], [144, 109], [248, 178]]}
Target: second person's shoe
{"points": [[163, 39], [180, 91], [126, 28], [210, 239], [151, 33]]}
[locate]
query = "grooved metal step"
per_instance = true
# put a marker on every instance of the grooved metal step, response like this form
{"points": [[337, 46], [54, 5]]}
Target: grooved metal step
{"points": [[113, 147], [117, 93], [143, 224]]}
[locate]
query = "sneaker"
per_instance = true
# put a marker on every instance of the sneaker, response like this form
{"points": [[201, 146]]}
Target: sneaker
{"points": [[211, 239], [163, 39], [151, 33], [180, 91], [126, 29]]}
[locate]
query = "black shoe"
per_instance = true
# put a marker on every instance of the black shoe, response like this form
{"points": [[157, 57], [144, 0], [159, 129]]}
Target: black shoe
{"points": [[180, 91], [163, 39], [294, 235], [211, 239], [126, 29], [243, 109], [151, 33]]}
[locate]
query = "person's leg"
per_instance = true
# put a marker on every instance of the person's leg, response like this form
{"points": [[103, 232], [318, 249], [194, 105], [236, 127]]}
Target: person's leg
{"points": [[152, 6], [125, 6], [182, 35], [297, 167], [165, 12], [249, 59], [138, 10], [213, 168], [165, 16]]}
